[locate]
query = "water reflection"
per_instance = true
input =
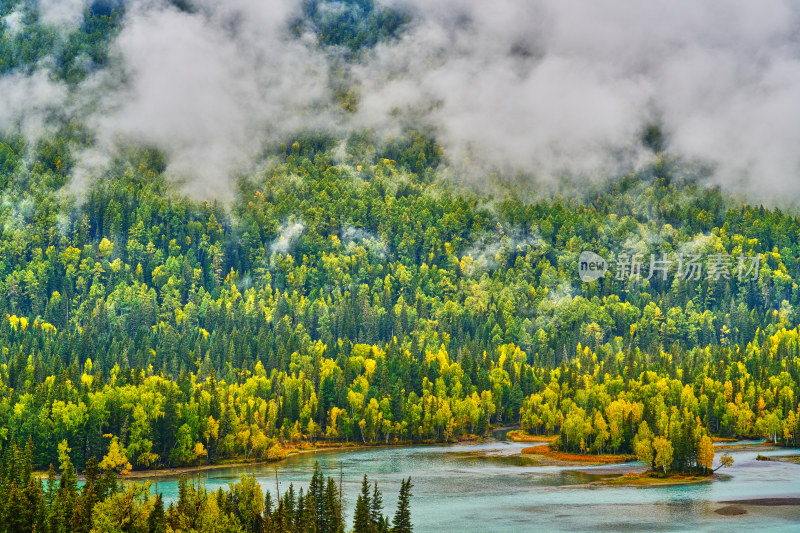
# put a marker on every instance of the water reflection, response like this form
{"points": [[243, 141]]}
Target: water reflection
{"points": [[490, 487]]}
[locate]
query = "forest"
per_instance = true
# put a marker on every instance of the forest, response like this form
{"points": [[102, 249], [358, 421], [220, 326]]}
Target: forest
{"points": [[351, 294], [103, 504], [377, 306], [374, 305]]}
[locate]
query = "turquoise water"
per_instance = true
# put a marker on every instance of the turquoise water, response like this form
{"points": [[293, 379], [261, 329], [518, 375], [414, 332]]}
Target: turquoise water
{"points": [[489, 487]]}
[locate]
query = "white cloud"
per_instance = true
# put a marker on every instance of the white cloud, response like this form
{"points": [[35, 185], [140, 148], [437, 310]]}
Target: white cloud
{"points": [[27, 102], [290, 232], [210, 87], [551, 88], [62, 12], [564, 87], [12, 22]]}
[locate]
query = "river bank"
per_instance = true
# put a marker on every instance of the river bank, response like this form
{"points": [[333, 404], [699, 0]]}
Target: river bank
{"points": [[537, 455], [787, 508], [302, 448], [462, 487], [792, 459], [645, 479], [521, 436], [562, 458]]}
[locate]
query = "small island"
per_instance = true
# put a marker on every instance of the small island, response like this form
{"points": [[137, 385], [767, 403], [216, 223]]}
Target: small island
{"points": [[688, 461], [654, 479]]}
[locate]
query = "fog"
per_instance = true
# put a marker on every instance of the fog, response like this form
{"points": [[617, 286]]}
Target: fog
{"points": [[561, 88], [547, 89]]}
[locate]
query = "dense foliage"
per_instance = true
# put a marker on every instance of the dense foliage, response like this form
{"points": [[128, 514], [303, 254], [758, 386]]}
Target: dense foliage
{"points": [[101, 504], [364, 302], [75, 54], [354, 24], [352, 295]]}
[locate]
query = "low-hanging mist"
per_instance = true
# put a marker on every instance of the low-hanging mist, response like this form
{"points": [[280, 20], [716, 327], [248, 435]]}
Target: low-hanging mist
{"points": [[546, 89]]}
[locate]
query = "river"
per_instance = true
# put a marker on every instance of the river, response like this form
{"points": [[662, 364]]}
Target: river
{"points": [[490, 487]]}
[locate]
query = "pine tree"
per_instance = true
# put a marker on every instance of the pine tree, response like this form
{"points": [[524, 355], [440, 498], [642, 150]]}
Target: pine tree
{"points": [[361, 519], [16, 519], [27, 462], [34, 500], [333, 522], [402, 517], [281, 521], [182, 494], [380, 523], [67, 491], [50, 495], [289, 503], [155, 524], [267, 504], [301, 518], [317, 491], [82, 518], [268, 511]]}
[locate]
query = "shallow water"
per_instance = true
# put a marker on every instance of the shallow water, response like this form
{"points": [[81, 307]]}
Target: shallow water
{"points": [[489, 487]]}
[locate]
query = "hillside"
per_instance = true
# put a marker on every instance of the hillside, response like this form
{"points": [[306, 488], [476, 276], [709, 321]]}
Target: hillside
{"points": [[230, 231]]}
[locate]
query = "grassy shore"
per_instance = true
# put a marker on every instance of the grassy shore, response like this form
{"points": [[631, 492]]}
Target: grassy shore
{"points": [[747, 447], [651, 479], [794, 459], [279, 455], [286, 451], [545, 450], [518, 435]]}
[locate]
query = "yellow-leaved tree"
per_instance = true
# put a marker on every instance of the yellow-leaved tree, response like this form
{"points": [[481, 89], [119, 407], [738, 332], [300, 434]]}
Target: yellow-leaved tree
{"points": [[663, 450], [116, 459], [705, 453]]}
